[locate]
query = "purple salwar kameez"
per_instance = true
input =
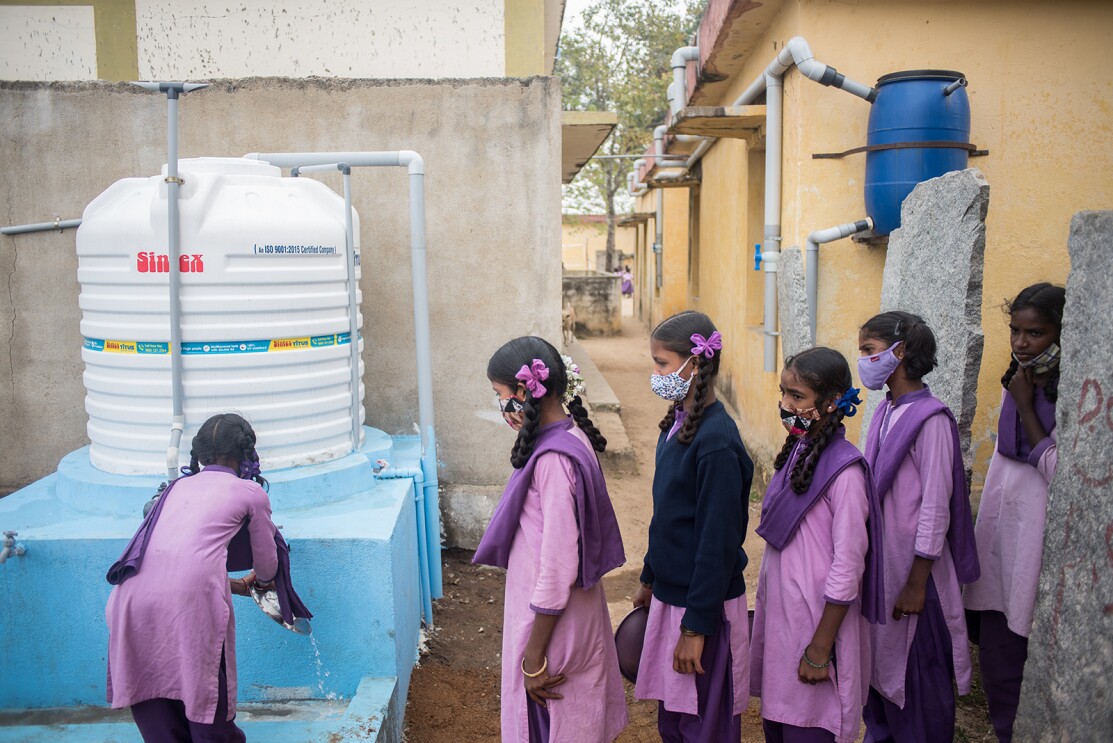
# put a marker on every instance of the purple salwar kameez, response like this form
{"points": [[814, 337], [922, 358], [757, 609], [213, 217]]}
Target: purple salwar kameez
{"points": [[171, 622]]}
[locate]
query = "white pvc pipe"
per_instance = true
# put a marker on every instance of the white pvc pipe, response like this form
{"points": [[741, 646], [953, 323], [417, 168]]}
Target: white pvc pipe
{"points": [[771, 244], [816, 239], [353, 304], [416, 168], [57, 224], [679, 64]]}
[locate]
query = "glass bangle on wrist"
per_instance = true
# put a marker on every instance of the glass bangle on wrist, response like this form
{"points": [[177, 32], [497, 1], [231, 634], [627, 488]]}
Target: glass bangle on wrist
{"points": [[818, 666], [544, 667]]}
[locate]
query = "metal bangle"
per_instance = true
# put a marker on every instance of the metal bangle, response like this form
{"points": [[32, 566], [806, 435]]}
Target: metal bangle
{"points": [[808, 660], [689, 632], [544, 667]]}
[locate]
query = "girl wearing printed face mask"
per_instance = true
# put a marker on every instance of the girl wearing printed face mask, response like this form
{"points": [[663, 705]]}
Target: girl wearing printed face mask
{"points": [[555, 533], [918, 474], [695, 657], [1013, 507], [821, 579]]}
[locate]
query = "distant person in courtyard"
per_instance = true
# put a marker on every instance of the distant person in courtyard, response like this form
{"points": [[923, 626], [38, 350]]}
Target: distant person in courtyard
{"points": [[171, 628], [695, 660], [821, 574], [915, 457], [1013, 508], [627, 282], [555, 533]]}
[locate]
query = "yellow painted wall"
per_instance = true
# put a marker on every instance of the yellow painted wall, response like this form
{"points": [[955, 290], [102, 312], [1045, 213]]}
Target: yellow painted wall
{"points": [[580, 241], [1039, 105]]}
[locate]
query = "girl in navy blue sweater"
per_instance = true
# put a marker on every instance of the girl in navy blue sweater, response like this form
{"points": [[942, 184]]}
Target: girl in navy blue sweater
{"points": [[695, 660]]}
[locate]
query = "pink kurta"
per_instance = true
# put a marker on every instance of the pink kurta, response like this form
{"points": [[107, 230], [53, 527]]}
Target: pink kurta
{"points": [[823, 563], [657, 679], [915, 514], [168, 623], [1009, 533], [541, 577]]}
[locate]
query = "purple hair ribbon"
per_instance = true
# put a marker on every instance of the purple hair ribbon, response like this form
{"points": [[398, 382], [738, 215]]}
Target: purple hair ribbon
{"points": [[706, 346], [533, 375]]}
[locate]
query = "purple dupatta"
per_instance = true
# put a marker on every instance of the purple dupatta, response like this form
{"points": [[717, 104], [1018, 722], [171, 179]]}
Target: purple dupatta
{"points": [[885, 461], [600, 541], [1012, 440], [783, 509], [239, 555]]}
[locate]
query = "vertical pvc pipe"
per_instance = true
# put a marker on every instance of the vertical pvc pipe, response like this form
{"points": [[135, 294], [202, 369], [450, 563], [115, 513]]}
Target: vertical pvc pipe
{"points": [[353, 303], [422, 340], [771, 249], [174, 250]]}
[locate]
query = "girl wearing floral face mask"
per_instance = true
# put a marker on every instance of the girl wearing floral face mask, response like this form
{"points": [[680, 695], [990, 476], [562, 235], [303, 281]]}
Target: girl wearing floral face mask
{"points": [[1013, 508], [918, 474], [555, 532], [821, 578], [694, 659]]}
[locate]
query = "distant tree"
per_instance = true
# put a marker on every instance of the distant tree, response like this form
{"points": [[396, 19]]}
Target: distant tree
{"points": [[618, 60]]}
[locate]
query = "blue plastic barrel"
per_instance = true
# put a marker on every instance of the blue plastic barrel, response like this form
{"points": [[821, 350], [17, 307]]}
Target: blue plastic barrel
{"points": [[913, 106]]}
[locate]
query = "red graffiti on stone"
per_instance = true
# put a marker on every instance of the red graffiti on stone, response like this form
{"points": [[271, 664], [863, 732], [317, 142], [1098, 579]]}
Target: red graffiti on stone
{"points": [[1094, 409]]}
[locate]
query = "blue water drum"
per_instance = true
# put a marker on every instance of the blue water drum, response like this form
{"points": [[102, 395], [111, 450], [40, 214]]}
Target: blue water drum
{"points": [[915, 106]]}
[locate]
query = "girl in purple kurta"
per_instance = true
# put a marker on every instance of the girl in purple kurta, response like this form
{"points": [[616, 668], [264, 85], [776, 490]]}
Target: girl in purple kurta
{"points": [[821, 576], [918, 473], [171, 628], [555, 532], [694, 659], [1013, 507]]}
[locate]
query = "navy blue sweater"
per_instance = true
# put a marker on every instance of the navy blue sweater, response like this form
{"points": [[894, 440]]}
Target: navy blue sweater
{"points": [[700, 494]]}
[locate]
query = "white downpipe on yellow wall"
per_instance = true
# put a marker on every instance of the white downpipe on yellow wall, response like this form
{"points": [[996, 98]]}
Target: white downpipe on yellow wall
{"points": [[815, 239], [795, 53]]}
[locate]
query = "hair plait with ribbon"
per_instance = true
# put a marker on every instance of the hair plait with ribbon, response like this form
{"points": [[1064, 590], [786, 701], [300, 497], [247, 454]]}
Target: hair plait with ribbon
{"points": [[533, 375], [706, 347], [848, 403]]}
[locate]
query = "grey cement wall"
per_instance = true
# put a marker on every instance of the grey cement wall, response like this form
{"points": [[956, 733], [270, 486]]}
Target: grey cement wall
{"points": [[597, 299], [1068, 690], [492, 153]]}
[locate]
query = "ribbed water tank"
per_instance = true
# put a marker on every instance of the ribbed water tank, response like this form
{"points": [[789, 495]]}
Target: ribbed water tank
{"points": [[264, 308], [913, 107]]}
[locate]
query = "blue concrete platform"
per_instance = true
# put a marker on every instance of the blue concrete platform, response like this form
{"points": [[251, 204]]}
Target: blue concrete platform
{"points": [[353, 541]]}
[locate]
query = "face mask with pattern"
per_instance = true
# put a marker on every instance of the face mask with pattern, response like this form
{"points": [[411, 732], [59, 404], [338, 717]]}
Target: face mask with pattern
{"points": [[1043, 363], [795, 421], [671, 387]]}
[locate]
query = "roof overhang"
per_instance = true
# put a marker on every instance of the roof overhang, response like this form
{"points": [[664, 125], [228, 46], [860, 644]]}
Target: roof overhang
{"points": [[728, 36], [581, 135]]}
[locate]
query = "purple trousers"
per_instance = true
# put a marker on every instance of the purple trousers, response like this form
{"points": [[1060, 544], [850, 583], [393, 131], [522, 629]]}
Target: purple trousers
{"points": [[716, 721], [538, 719], [1001, 654], [929, 699], [164, 720], [781, 732]]}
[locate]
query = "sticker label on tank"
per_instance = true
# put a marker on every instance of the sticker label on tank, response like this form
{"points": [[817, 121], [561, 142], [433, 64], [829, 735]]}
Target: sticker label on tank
{"points": [[218, 347], [258, 249]]}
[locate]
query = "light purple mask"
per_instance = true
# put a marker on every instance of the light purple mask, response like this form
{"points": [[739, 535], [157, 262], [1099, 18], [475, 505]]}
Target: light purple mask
{"points": [[874, 370]]}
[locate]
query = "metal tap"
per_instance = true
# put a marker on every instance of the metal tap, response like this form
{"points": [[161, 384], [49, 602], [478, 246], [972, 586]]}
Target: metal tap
{"points": [[11, 547]]}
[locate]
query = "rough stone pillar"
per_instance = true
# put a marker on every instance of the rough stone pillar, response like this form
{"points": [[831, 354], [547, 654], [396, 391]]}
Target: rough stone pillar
{"points": [[934, 269], [1068, 680], [792, 303]]}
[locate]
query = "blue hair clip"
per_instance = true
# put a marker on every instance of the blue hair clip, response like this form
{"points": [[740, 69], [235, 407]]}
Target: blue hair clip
{"points": [[849, 402]]}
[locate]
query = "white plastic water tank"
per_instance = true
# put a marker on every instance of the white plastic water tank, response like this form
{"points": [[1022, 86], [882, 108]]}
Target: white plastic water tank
{"points": [[264, 300]]}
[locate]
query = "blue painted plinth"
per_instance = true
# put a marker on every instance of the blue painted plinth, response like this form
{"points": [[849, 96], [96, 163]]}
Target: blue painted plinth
{"points": [[353, 542]]}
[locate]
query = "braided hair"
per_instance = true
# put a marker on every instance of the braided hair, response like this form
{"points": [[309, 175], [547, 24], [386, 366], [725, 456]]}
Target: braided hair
{"points": [[675, 334], [826, 373], [1048, 301], [918, 340], [502, 368], [226, 436]]}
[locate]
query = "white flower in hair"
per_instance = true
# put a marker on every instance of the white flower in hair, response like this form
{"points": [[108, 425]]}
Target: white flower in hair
{"points": [[575, 379]]}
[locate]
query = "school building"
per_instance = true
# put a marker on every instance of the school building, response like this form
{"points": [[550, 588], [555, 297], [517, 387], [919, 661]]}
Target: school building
{"points": [[1040, 123]]}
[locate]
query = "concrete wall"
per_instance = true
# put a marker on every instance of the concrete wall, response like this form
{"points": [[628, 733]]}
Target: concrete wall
{"points": [[487, 193], [199, 39], [47, 43], [1039, 122], [597, 299]]}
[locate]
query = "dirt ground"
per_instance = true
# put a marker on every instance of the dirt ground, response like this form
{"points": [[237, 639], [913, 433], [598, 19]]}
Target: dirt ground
{"points": [[454, 694]]}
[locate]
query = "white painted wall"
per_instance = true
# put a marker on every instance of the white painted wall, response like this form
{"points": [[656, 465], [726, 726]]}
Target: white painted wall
{"points": [[48, 42], [200, 39]]}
